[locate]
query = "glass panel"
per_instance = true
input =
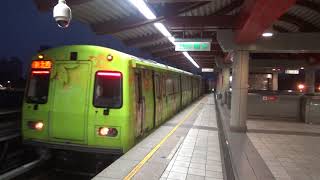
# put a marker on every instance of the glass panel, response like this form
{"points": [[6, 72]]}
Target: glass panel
{"points": [[260, 82], [38, 88], [108, 90]]}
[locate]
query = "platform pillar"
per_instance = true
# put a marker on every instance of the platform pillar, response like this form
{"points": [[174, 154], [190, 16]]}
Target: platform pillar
{"points": [[225, 84], [219, 85], [240, 73], [275, 81], [310, 80]]}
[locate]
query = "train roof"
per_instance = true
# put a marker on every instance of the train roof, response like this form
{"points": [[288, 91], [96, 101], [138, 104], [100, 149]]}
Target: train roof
{"points": [[138, 60]]}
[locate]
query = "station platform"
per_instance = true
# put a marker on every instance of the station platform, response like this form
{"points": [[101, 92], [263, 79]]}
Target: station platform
{"points": [[185, 147], [197, 143], [273, 149]]}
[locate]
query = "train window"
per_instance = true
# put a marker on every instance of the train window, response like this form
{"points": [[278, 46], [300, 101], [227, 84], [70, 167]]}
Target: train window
{"points": [[38, 87], [158, 86], [169, 85], [108, 90]]}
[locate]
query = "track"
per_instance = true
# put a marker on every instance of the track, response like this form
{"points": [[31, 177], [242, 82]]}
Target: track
{"points": [[12, 153], [68, 165]]}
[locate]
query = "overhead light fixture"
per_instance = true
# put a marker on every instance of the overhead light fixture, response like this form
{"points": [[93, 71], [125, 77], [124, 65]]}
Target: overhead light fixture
{"points": [[163, 29], [301, 67], [269, 76], [207, 70], [292, 71], [143, 8], [267, 34], [172, 39], [190, 59]]}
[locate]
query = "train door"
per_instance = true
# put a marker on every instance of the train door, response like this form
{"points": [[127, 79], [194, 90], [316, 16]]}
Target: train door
{"points": [[144, 101], [68, 110], [139, 104], [158, 99], [180, 92]]}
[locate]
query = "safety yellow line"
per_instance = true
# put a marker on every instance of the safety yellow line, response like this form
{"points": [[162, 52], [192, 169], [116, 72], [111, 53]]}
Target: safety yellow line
{"points": [[149, 155]]}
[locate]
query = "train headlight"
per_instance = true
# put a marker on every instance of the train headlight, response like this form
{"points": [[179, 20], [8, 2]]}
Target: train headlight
{"points": [[104, 131], [38, 125]]}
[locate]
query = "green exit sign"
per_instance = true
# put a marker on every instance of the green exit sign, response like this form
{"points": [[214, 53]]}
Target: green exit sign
{"points": [[192, 46]]}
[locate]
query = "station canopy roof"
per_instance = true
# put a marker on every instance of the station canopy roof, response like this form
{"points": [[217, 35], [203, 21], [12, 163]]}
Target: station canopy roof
{"points": [[193, 19]]}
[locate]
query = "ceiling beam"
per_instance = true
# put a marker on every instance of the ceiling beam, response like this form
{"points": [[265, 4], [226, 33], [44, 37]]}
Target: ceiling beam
{"points": [[279, 56], [213, 53], [166, 54], [158, 48], [124, 24], [280, 29], [258, 15], [202, 22], [198, 34], [303, 25], [310, 5], [174, 1], [233, 5], [144, 40], [46, 5], [168, 46]]}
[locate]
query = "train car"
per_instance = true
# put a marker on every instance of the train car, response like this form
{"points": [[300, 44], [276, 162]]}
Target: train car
{"points": [[95, 99]]}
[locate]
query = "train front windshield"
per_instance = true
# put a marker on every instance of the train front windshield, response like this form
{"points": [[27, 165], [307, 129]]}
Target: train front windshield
{"points": [[38, 87], [108, 90]]}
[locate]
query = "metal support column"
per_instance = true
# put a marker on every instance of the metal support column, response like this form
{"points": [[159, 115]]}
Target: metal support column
{"points": [[219, 85], [275, 81]]}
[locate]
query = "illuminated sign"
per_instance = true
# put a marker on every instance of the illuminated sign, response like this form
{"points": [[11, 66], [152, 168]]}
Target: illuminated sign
{"points": [[292, 71], [192, 46], [41, 64], [270, 98], [207, 69]]}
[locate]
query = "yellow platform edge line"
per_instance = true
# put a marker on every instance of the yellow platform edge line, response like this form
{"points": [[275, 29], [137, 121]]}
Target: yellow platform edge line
{"points": [[137, 168]]}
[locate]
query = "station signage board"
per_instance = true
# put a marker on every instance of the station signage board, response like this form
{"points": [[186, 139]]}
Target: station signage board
{"points": [[192, 46], [270, 98], [292, 71], [207, 69]]}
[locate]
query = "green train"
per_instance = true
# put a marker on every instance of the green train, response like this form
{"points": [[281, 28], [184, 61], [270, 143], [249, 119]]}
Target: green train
{"points": [[94, 99]]}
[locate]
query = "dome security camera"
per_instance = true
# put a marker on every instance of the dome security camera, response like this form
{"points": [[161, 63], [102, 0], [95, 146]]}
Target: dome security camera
{"points": [[62, 14]]}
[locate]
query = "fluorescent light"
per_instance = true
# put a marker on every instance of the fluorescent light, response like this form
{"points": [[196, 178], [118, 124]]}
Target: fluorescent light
{"points": [[143, 8], [292, 71], [269, 76], [190, 59], [172, 39], [162, 29], [207, 69], [267, 34]]}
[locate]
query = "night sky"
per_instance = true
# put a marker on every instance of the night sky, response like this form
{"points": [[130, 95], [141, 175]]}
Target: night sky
{"points": [[24, 29]]}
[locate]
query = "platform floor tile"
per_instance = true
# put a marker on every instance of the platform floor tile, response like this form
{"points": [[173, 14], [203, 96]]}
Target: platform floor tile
{"points": [[191, 152], [290, 150], [198, 157]]}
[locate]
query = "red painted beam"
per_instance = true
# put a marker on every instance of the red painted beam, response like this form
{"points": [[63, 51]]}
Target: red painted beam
{"points": [[258, 15]]}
